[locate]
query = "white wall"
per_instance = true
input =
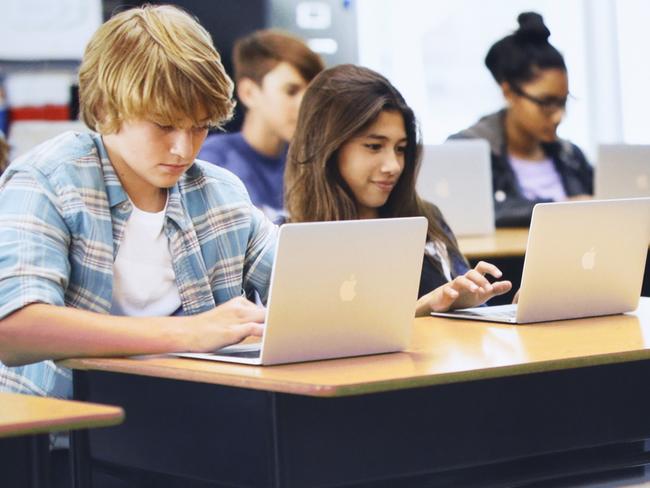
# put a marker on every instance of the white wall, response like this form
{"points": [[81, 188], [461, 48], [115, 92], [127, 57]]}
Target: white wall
{"points": [[633, 17], [47, 29], [434, 51]]}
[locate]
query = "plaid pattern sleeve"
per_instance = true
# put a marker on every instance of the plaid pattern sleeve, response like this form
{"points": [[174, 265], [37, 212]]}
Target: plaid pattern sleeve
{"points": [[33, 246], [232, 239], [260, 254], [246, 260], [62, 216]]}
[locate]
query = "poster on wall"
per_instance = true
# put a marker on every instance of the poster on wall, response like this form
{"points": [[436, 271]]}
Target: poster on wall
{"points": [[47, 29]]}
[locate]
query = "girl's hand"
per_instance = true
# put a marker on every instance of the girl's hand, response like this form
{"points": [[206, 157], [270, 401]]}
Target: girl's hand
{"points": [[468, 290]]}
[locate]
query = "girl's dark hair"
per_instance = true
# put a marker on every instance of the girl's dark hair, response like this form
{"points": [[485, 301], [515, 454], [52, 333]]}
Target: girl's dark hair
{"points": [[340, 103], [517, 58]]}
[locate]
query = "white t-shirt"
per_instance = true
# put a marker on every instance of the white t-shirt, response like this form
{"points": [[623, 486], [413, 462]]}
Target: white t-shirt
{"points": [[144, 282]]}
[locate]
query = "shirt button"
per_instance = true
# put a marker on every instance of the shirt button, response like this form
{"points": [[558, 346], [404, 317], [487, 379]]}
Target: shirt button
{"points": [[500, 196], [124, 206]]}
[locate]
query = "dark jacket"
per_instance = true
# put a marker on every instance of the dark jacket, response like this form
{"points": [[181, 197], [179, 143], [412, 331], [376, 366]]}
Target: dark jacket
{"points": [[511, 207], [431, 276]]}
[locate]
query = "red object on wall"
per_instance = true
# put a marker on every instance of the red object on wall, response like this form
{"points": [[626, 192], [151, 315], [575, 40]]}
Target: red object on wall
{"points": [[44, 112]]}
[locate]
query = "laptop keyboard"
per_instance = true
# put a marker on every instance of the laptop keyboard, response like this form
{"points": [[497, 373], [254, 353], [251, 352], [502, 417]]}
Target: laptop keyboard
{"points": [[240, 351], [240, 354], [500, 312]]}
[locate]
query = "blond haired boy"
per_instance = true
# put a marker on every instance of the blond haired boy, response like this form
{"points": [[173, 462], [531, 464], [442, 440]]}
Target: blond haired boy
{"points": [[105, 236]]}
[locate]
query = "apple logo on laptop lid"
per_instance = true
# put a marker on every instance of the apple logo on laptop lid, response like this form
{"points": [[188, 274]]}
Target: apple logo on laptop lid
{"points": [[589, 259], [347, 291], [642, 181]]}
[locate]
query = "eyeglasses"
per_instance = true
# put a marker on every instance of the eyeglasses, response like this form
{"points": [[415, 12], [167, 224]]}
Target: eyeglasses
{"points": [[548, 105]]}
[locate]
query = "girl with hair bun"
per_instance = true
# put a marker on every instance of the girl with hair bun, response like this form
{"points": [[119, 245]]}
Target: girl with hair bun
{"points": [[530, 164]]}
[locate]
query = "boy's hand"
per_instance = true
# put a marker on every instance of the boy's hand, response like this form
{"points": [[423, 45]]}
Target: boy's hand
{"points": [[226, 324]]}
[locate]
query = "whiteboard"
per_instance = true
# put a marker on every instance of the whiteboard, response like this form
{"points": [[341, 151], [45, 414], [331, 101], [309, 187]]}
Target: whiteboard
{"points": [[47, 29]]}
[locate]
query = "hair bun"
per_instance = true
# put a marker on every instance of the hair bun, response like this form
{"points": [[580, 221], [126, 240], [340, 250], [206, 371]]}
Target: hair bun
{"points": [[531, 28]]}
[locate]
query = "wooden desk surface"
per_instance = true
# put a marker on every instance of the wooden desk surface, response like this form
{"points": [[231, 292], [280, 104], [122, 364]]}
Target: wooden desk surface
{"points": [[505, 242], [442, 351], [26, 414]]}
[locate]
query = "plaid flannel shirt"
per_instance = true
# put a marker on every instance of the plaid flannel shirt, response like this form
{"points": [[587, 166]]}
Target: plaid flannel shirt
{"points": [[62, 217]]}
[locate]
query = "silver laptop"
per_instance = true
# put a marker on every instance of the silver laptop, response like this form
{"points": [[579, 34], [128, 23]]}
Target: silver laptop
{"points": [[338, 289], [623, 170], [457, 177], [583, 259]]}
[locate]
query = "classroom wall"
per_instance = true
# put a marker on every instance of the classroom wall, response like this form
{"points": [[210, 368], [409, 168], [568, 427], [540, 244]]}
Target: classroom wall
{"points": [[432, 50]]}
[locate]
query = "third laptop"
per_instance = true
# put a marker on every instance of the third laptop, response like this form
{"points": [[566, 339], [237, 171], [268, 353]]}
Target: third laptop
{"points": [[583, 259]]}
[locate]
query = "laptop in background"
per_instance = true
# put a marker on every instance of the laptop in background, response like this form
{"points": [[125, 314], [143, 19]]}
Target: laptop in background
{"points": [[457, 177], [623, 171], [338, 289], [583, 259]]}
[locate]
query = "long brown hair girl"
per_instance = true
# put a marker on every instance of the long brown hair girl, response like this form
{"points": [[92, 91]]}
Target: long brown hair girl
{"points": [[355, 154]]}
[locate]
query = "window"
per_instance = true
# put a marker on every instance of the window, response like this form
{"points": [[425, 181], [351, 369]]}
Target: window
{"points": [[434, 53]]}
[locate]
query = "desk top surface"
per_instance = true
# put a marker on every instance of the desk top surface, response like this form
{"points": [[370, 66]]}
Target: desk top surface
{"points": [[505, 242], [441, 351], [26, 414]]}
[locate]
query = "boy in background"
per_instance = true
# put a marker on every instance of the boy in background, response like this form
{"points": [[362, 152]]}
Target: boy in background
{"points": [[272, 71]]}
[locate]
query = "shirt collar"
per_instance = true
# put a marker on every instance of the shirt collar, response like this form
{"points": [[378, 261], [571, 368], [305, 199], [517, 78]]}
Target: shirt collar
{"points": [[117, 195], [114, 189]]}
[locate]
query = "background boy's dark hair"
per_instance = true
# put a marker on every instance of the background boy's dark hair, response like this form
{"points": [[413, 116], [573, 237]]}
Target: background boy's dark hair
{"points": [[258, 53], [4, 153], [517, 57]]}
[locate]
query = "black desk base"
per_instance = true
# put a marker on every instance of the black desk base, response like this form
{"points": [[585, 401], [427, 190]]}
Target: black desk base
{"points": [[508, 431], [24, 461]]}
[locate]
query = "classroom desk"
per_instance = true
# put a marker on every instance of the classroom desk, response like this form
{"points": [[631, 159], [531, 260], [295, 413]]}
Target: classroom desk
{"points": [[26, 421], [467, 400], [504, 243]]}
